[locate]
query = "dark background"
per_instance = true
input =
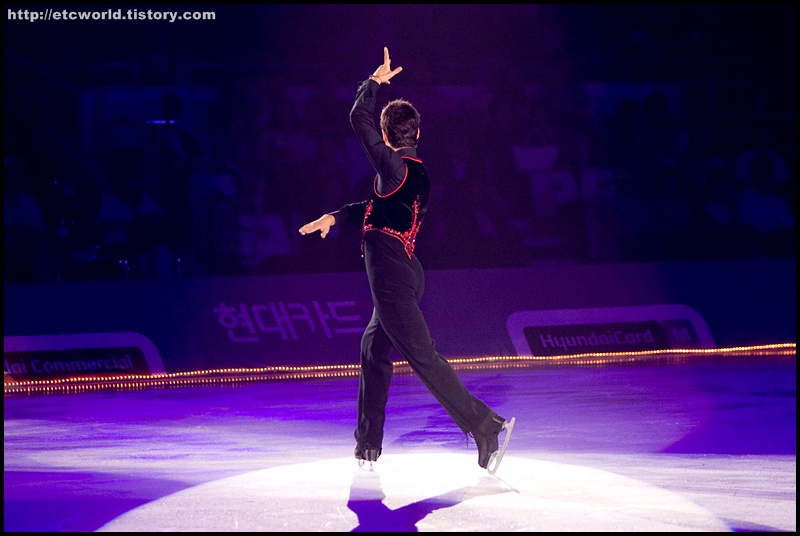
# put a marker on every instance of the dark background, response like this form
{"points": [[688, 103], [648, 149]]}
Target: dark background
{"points": [[554, 134]]}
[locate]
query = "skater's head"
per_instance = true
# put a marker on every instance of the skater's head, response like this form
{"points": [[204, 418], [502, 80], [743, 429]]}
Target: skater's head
{"points": [[400, 124]]}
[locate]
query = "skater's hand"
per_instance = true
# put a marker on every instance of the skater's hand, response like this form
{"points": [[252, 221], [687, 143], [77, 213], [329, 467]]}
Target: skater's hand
{"points": [[384, 73], [323, 225]]}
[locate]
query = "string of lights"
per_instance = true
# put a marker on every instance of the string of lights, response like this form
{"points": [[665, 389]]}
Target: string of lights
{"points": [[230, 376]]}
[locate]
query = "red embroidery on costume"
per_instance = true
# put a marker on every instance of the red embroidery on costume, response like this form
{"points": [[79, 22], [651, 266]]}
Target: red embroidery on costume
{"points": [[407, 238]]}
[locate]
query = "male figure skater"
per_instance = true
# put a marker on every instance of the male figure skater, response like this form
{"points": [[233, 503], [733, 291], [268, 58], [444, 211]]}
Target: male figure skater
{"points": [[390, 221]]}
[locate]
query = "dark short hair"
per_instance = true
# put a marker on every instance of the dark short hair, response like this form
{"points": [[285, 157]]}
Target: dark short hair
{"points": [[400, 121]]}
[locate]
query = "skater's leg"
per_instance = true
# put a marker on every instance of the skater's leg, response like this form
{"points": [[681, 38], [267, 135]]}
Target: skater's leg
{"points": [[397, 304], [415, 345], [373, 388]]}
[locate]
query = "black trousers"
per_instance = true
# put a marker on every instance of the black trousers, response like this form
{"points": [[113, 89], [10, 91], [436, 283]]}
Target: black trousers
{"points": [[397, 284]]}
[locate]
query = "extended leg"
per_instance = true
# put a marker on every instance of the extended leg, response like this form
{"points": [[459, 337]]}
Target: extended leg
{"points": [[405, 326]]}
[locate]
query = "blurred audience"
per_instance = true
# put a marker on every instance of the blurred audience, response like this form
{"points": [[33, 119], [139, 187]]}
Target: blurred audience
{"points": [[133, 232], [721, 230], [176, 153], [674, 211], [633, 223], [765, 214], [547, 174], [28, 252]]}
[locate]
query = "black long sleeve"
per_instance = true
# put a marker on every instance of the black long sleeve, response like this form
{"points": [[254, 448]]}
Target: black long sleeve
{"points": [[388, 164], [350, 214]]}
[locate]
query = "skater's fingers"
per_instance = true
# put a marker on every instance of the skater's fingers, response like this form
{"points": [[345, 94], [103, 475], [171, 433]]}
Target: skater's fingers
{"points": [[308, 228]]}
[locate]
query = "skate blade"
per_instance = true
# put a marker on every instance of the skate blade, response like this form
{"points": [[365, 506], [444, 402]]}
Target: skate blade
{"points": [[497, 457], [362, 465]]}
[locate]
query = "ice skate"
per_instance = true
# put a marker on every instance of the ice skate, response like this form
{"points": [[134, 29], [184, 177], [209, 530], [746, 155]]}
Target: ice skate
{"points": [[364, 455], [496, 457], [486, 438]]}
